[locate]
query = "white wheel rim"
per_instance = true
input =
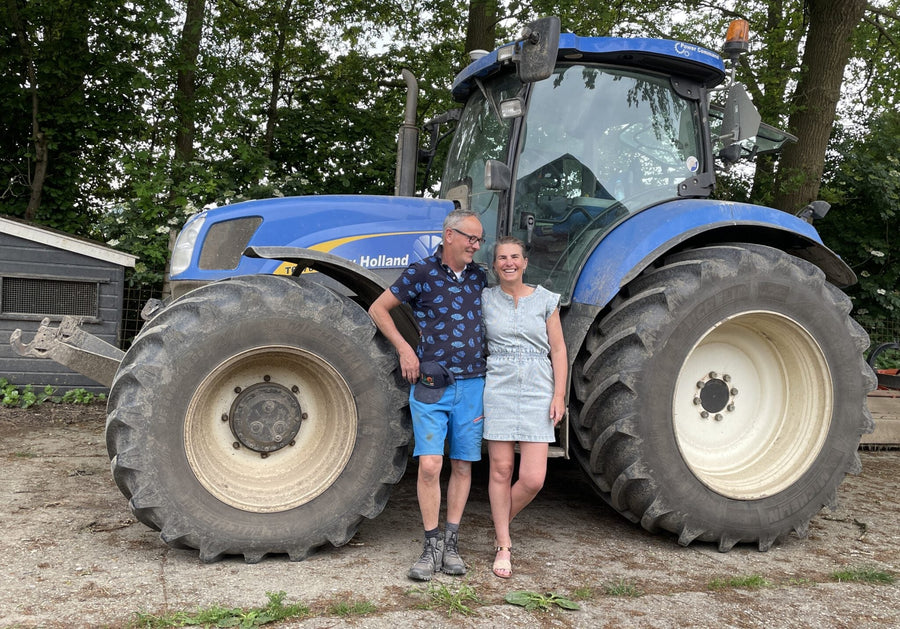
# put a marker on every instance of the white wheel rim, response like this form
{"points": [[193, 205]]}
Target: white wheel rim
{"points": [[294, 474], [771, 423]]}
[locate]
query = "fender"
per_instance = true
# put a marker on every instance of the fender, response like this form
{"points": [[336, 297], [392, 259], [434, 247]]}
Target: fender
{"points": [[635, 243], [360, 281]]}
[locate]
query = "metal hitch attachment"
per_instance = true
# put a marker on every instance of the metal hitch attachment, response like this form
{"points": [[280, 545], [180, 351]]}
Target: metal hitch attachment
{"points": [[72, 347]]}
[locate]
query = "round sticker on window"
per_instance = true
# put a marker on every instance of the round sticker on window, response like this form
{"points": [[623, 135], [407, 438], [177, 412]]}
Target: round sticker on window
{"points": [[692, 163]]}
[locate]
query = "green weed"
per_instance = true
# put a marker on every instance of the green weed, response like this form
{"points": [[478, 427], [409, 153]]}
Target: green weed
{"points": [[532, 601], [751, 582], [355, 608], [453, 600], [217, 616], [12, 397], [621, 588], [863, 574], [583, 593]]}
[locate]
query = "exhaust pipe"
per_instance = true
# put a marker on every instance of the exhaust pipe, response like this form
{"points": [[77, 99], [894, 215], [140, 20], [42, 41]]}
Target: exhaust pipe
{"points": [[408, 141]]}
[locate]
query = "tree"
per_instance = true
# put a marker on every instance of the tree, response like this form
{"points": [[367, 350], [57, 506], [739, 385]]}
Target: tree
{"points": [[815, 99], [70, 89]]}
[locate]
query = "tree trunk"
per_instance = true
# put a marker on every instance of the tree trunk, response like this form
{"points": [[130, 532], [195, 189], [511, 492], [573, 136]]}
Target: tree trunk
{"points": [[36, 181], [481, 29], [831, 24], [277, 70], [782, 34], [188, 51]]}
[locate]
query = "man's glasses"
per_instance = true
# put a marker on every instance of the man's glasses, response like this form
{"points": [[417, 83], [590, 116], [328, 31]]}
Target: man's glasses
{"points": [[472, 239]]}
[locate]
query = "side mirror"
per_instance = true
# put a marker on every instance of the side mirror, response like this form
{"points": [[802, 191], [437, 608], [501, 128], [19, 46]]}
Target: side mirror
{"points": [[539, 44], [741, 119], [814, 211]]}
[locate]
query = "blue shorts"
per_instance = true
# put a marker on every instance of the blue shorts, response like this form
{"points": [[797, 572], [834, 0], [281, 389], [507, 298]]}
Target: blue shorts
{"points": [[457, 416]]}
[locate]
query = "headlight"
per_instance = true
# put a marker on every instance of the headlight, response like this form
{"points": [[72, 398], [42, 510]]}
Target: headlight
{"points": [[184, 245]]}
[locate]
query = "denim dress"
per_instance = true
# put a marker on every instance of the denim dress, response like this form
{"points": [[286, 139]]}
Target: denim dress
{"points": [[518, 387]]}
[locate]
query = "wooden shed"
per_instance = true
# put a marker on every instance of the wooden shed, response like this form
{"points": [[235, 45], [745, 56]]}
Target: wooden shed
{"points": [[46, 273]]}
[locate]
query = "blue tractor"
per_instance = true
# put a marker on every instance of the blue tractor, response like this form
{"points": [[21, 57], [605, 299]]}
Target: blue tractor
{"points": [[718, 387]]}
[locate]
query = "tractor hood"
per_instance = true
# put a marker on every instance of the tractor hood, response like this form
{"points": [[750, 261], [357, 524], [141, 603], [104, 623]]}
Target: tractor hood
{"points": [[376, 232]]}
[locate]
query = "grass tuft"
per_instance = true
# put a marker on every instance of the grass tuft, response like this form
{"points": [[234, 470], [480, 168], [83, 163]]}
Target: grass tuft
{"points": [[439, 596], [751, 582], [352, 608], [622, 588], [863, 574]]}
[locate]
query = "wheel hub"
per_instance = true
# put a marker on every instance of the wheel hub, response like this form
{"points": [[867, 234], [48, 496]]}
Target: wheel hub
{"points": [[265, 417], [715, 396]]}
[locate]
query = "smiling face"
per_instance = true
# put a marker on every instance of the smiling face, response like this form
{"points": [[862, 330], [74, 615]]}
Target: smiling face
{"points": [[509, 262], [458, 250]]}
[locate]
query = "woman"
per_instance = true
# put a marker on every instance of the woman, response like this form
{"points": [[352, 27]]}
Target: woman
{"points": [[525, 388]]}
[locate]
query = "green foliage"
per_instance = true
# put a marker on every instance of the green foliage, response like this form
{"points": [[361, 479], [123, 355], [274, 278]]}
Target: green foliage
{"points": [[863, 574], [12, 397], [750, 582], [352, 608], [216, 616], [80, 396], [532, 601], [863, 225], [89, 59], [439, 595]]}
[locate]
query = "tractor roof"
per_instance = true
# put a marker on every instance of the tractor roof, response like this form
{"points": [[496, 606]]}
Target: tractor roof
{"points": [[660, 55]]}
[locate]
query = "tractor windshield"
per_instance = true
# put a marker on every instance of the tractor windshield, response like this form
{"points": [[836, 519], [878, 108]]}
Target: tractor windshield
{"points": [[600, 143]]}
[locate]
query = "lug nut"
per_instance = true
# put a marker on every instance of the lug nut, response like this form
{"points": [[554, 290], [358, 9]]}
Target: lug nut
{"points": [[697, 401], [704, 414], [236, 445], [224, 417], [726, 378], [713, 375], [718, 417], [729, 408]]}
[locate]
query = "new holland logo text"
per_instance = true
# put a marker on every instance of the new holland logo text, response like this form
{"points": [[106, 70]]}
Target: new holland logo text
{"points": [[382, 260]]}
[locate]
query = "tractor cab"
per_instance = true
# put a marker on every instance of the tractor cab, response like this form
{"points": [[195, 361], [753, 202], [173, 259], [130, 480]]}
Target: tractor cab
{"points": [[607, 128]]}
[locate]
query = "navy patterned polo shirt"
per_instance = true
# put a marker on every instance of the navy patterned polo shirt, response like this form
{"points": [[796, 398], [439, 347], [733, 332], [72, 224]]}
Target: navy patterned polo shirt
{"points": [[447, 311]]}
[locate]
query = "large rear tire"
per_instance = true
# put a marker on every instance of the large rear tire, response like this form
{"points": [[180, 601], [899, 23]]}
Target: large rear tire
{"points": [[258, 415], [723, 396]]}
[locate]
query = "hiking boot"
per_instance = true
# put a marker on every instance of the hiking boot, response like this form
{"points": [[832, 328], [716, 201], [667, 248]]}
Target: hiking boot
{"points": [[453, 563], [429, 562]]}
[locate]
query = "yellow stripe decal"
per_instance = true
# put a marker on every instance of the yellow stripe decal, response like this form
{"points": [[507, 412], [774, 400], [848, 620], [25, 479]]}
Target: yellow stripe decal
{"points": [[330, 245]]}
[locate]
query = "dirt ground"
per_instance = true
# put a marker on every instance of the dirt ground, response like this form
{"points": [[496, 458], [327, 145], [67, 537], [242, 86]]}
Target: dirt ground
{"points": [[74, 555]]}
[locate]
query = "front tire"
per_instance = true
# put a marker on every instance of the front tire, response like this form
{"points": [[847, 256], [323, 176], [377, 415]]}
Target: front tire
{"points": [[258, 415], [723, 396]]}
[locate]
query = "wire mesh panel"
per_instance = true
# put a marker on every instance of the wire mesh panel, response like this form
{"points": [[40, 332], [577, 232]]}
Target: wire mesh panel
{"points": [[36, 296]]}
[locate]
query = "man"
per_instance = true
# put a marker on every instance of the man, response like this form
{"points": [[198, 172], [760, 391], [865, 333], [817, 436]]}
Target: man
{"points": [[446, 371]]}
